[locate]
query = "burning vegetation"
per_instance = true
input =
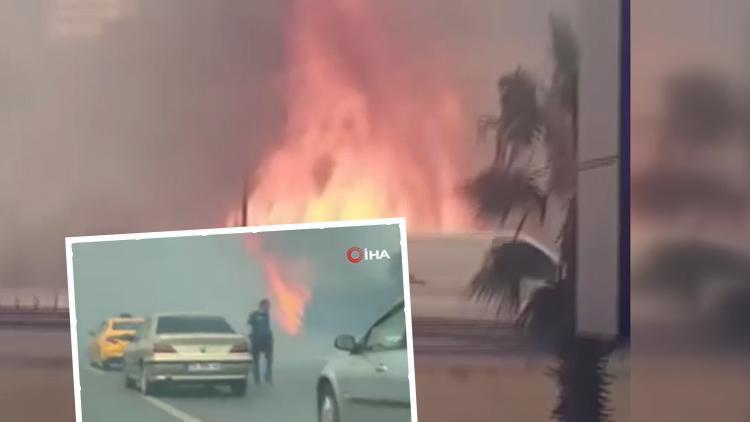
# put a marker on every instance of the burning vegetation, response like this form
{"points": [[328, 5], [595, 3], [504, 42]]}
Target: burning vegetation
{"points": [[369, 133]]}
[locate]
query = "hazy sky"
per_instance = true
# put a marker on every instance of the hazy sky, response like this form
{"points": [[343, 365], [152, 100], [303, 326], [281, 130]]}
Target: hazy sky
{"points": [[154, 123], [668, 35]]}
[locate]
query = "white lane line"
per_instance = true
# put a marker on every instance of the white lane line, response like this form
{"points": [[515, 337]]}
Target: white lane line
{"points": [[171, 410]]}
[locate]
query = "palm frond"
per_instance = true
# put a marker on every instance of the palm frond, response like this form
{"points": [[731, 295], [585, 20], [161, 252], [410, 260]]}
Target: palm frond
{"points": [[681, 268], [496, 192], [504, 268], [520, 117], [565, 55]]}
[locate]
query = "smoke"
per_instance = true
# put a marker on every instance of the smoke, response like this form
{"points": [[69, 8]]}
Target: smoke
{"points": [[152, 126], [155, 123], [689, 217]]}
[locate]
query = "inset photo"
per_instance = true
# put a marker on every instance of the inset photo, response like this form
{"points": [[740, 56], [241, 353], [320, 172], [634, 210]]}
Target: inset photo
{"points": [[302, 322]]}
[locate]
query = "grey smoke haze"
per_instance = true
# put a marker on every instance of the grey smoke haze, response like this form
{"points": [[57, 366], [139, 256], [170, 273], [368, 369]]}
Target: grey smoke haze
{"points": [[154, 124], [670, 35], [150, 127]]}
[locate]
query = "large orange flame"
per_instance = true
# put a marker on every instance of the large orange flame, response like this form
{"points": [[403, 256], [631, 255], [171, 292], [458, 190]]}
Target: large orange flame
{"points": [[288, 298], [371, 131]]}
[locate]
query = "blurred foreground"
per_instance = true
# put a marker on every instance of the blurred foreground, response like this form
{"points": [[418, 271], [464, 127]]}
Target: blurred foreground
{"points": [[482, 390], [37, 381], [690, 225]]}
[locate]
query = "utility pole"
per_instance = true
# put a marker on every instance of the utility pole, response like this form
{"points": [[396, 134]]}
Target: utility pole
{"points": [[243, 217]]}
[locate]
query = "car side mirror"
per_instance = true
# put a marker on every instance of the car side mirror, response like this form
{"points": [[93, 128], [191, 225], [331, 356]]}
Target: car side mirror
{"points": [[346, 343]]}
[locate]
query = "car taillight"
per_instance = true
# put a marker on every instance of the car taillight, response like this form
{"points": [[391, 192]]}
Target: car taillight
{"points": [[240, 348], [163, 348]]}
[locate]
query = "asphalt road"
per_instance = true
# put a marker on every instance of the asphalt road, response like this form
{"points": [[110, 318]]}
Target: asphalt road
{"points": [[291, 398]]}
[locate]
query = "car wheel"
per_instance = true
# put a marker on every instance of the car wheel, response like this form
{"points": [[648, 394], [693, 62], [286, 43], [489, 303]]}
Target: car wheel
{"points": [[148, 388], [106, 365], [239, 388], [328, 409]]}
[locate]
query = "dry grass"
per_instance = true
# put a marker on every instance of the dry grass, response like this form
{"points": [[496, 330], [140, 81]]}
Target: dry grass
{"points": [[36, 394], [36, 376], [679, 389], [498, 392]]}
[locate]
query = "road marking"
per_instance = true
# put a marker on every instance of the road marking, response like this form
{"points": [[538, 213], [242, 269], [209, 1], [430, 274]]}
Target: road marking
{"points": [[171, 410]]}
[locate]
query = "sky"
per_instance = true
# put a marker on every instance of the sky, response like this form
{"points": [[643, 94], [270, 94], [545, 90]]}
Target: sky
{"points": [[154, 122]]}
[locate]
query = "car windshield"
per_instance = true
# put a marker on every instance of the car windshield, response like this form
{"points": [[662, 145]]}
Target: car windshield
{"points": [[192, 324], [388, 334], [126, 325]]}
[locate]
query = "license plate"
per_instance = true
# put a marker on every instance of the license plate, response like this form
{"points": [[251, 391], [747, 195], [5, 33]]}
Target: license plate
{"points": [[200, 367]]}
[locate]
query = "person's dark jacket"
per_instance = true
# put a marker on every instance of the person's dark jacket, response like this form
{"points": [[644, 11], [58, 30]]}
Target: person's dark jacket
{"points": [[260, 327]]}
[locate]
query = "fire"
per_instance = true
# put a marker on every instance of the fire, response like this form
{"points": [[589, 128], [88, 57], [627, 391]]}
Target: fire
{"points": [[288, 299], [371, 130]]}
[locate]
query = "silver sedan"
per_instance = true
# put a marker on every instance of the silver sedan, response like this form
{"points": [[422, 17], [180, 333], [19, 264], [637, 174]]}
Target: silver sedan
{"points": [[371, 382], [186, 348]]}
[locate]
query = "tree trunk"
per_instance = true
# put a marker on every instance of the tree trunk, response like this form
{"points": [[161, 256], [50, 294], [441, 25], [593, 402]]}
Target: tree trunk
{"points": [[583, 381], [581, 369]]}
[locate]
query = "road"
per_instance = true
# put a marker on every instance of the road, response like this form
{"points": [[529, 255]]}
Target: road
{"points": [[291, 398]]}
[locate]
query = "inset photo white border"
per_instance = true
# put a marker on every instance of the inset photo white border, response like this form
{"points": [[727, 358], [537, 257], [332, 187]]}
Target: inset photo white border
{"points": [[174, 412]]}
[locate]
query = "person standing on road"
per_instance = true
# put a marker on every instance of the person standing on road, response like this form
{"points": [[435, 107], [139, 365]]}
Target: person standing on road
{"points": [[261, 339]]}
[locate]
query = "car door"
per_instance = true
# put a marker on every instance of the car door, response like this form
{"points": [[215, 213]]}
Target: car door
{"points": [[134, 350], [378, 387], [96, 341]]}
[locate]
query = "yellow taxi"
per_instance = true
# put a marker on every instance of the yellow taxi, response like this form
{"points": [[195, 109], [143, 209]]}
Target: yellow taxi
{"points": [[108, 342]]}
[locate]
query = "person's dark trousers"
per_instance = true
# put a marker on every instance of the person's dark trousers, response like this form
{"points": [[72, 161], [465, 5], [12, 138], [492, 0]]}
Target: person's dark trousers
{"points": [[264, 348]]}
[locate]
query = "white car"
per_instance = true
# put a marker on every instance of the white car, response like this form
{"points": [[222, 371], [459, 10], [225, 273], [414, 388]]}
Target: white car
{"points": [[371, 382], [186, 348], [445, 263]]}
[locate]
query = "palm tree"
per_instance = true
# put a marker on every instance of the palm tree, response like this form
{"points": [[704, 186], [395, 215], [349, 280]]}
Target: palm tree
{"points": [[534, 119]]}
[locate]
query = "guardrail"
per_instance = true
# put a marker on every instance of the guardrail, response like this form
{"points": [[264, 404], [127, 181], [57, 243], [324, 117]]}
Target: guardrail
{"points": [[34, 317], [438, 336]]}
